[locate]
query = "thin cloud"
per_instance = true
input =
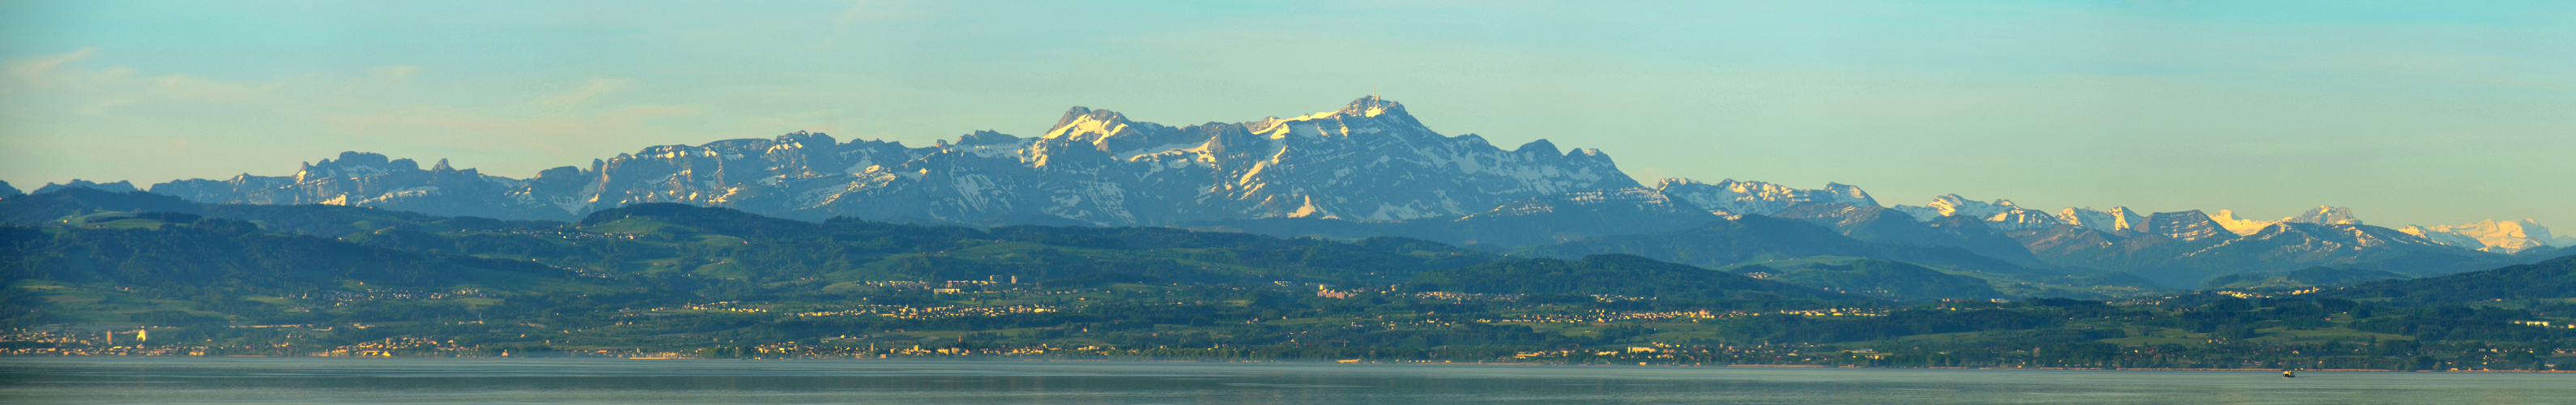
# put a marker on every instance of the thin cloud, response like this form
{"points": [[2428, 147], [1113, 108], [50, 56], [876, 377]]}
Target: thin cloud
{"points": [[597, 87], [83, 90], [34, 70]]}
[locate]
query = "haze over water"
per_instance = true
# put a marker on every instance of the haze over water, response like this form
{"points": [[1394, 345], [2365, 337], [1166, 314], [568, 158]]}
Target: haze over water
{"points": [[320, 380]]}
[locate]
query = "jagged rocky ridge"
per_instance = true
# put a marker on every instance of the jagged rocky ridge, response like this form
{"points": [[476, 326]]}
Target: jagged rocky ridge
{"points": [[1367, 161]]}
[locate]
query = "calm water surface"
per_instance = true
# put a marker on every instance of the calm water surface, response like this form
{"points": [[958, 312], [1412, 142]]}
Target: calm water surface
{"points": [[488, 381]]}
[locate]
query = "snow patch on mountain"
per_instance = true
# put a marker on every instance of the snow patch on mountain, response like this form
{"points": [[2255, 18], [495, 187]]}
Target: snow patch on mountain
{"points": [[1954, 205], [2118, 219], [2239, 226], [2021, 219]]}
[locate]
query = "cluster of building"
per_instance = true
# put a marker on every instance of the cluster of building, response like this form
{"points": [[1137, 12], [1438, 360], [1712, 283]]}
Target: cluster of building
{"points": [[719, 306], [945, 287], [553, 233], [409, 346], [796, 350], [1836, 312], [1606, 316], [2544, 324], [1465, 297], [1659, 350], [76, 342], [905, 312], [394, 295]]}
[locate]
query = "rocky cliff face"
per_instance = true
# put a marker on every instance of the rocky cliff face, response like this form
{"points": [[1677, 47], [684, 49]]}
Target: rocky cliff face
{"points": [[2185, 225]]}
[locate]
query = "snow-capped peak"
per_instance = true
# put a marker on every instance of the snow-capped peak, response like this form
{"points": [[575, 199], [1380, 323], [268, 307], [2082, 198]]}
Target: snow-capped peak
{"points": [[2239, 226], [1088, 125], [1372, 106], [2326, 215]]}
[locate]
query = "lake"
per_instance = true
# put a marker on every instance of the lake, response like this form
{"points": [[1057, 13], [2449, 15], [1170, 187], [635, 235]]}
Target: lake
{"points": [[98, 380]]}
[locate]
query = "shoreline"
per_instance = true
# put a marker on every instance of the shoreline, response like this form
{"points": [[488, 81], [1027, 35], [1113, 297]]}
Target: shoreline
{"points": [[1345, 362]]}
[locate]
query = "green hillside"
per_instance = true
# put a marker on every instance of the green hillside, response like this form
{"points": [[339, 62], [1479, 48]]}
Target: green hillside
{"points": [[1883, 278], [1620, 275], [664, 280]]}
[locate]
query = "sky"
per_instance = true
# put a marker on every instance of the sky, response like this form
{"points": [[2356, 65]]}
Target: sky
{"points": [[2407, 112]]}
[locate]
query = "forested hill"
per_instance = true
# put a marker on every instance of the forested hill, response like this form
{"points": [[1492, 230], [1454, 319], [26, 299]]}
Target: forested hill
{"points": [[715, 244], [2550, 279], [145, 239], [1612, 274], [188, 252], [1754, 237]]}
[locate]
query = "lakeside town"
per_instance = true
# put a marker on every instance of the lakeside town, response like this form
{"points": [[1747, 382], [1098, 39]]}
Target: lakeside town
{"points": [[1666, 337]]}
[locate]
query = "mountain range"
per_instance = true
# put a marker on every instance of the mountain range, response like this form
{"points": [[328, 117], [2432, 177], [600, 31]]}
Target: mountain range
{"points": [[1369, 161], [1371, 169]]}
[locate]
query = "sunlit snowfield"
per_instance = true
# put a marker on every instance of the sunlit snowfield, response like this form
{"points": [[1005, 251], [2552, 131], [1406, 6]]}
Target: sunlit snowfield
{"points": [[320, 380]]}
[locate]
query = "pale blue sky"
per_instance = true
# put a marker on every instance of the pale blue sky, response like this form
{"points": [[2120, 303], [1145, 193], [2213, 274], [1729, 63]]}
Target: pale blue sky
{"points": [[2411, 113]]}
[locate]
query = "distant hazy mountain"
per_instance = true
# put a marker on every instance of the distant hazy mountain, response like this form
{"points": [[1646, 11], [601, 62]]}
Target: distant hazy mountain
{"points": [[2181, 249], [1759, 198], [2506, 237], [117, 187], [1882, 225]]}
